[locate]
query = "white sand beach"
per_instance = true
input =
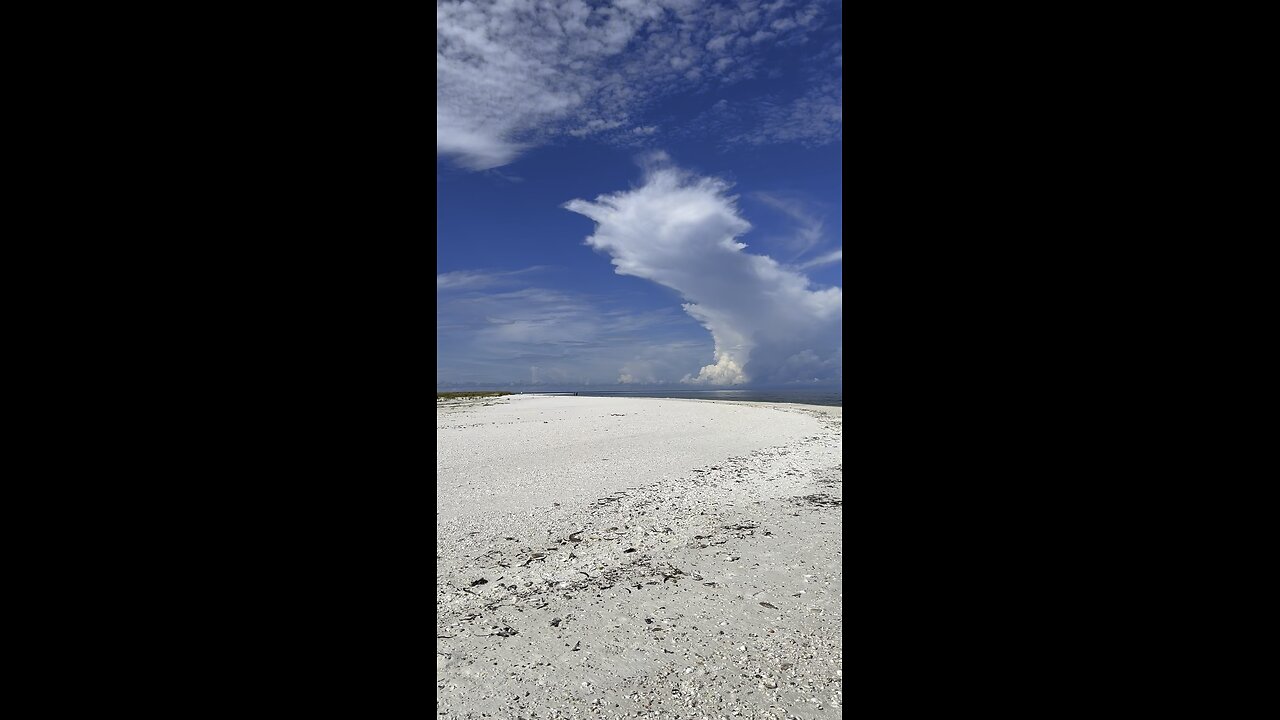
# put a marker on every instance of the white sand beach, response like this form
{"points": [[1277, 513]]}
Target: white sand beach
{"points": [[637, 557]]}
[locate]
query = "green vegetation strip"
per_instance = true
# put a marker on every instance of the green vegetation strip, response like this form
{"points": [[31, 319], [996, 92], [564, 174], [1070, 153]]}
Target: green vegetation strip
{"points": [[452, 395]]}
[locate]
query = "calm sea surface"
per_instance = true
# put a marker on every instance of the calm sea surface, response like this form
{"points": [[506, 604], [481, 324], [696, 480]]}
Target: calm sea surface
{"points": [[808, 397]]}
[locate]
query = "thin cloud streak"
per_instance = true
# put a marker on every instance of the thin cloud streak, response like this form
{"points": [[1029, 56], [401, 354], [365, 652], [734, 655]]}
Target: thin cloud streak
{"points": [[473, 279], [831, 257], [493, 336], [809, 232]]}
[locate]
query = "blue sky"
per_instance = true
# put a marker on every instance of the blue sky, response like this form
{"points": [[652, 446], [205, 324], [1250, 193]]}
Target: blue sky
{"points": [[638, 193]]}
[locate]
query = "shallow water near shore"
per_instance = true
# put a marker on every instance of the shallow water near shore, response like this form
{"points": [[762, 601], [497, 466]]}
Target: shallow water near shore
{"points": [[803, 397]]}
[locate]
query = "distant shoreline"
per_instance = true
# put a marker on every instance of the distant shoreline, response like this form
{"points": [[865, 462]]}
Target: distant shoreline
{"points": [[827, 398]]}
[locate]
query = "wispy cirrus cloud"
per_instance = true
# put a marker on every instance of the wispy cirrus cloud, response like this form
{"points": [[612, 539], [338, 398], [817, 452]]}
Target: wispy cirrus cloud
{"points": [[834, 256], [809, 226], [512, 75], [809, 113], [538, 335], [810, 233], [473, 279], [812, 119]]}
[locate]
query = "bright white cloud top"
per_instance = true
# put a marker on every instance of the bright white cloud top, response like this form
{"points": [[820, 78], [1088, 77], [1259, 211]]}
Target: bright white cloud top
{"points": [[681, 230]]}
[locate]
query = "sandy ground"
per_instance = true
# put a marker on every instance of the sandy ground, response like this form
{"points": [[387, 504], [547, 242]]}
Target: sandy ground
{"points": [[637, 557]]}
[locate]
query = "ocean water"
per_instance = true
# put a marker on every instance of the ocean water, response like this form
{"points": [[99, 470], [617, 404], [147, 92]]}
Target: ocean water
{"points": [[807, 397]]}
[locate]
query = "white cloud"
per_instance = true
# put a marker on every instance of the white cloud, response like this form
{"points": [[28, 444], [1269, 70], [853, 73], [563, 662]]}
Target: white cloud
{"points": [[505, 176], [809, 230], [806, 112], [516, 73], [462, 279], [719, 43], [475, 148], [492, 335], [834, 256], [812, 119], [594, 126], [660, 364], [681, 231], [472, 279]]}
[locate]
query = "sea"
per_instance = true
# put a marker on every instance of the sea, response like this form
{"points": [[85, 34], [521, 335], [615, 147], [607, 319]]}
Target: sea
{"points": [[804, 396]]}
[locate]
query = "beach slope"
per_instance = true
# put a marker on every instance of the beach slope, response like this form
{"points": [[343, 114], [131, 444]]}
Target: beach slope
{"points": [[604, 557]]}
